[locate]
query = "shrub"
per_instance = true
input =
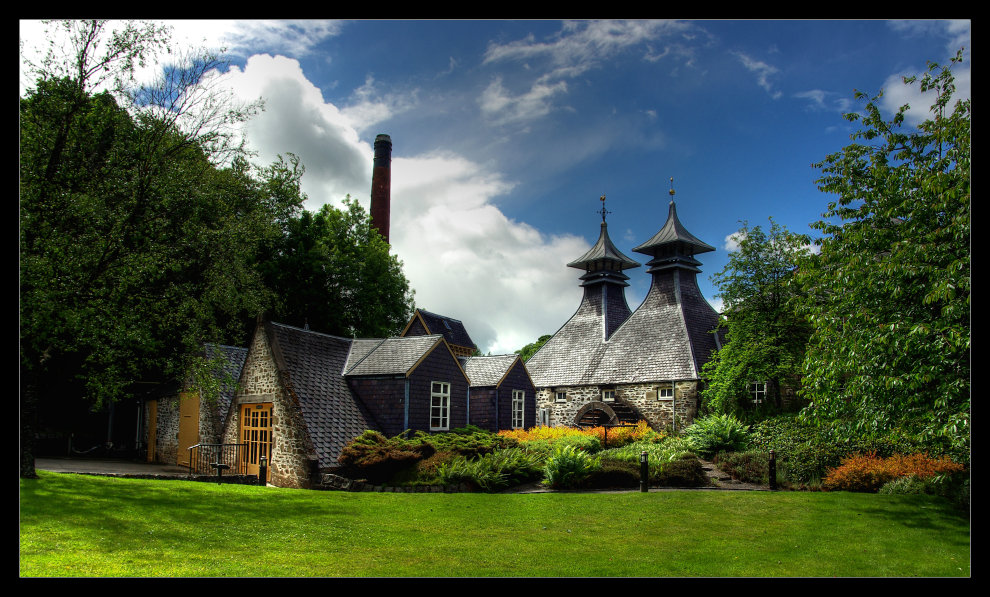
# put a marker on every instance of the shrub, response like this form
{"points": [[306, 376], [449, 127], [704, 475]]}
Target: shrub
{"points": [[686, 471], [470, 441], [568, 467], [614, 474], [868, 472], [668, 449], [714, 433], [491, 472], [376, 458], [751, 466]]}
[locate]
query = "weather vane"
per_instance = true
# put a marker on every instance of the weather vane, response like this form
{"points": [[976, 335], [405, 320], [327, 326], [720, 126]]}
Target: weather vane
{"points": [[603, 211]]}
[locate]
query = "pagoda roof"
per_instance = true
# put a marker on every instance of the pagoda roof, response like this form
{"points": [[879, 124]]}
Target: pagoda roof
{"points": [[674, 233], [604, 250]]}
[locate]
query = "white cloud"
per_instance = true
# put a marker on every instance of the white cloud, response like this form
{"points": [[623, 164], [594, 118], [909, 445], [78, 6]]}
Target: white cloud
{"points": [[296, 119], [733, 240], [578, 47], [504, 279], [763, 72]]}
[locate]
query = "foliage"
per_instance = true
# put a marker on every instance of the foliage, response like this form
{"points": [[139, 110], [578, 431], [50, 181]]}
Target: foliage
{"points": [[493, 471], [715, 433], [657, 453], [889, 294], [686, 471], [530, 349], [613, 474], [568, 467], [470, 441], [333, 271], [765, 335], [140, 222], [868, 472], [376, 458], [544, 439], [751, 466]]}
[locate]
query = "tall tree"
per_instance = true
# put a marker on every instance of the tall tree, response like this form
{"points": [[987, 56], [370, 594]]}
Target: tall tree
{"points": [[333, 272], [889, 295], [138, 223], [765, 336]]}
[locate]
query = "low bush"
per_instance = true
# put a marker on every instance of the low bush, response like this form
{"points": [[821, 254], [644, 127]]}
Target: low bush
{"points": [[868, 472], [668, 449], [568, 467], [715, 433], [614, 474], [751, 466], [376, 458], [579, 441], [686, 471]]}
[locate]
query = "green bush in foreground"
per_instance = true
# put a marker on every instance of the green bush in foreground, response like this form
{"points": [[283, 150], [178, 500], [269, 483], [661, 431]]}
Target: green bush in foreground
{"points": [[569, 467], [715, 433]]}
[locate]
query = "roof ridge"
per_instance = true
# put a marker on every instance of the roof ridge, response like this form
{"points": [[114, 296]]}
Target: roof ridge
{"points": [[299, 329]]}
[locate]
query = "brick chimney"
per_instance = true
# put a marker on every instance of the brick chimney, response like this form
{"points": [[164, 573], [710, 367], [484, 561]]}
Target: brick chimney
{"points": [[381, 185]]}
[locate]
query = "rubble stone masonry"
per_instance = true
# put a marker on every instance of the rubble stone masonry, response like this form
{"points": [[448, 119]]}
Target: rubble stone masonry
{"points": [[658, 412]]}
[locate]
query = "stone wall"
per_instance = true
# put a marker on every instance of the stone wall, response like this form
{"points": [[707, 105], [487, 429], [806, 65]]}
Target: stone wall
{"points": [[291, 462], [659, 413]]}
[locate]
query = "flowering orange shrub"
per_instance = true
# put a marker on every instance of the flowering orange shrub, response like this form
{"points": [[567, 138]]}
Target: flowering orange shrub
{"points": [[866, 472], [540, 432]]}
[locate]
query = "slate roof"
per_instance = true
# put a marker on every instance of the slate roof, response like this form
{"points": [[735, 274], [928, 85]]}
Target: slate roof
{"points": [[674, 233], [451, 329], [233, 362], [487, 371], [313, 363], [603, 250], [666, 338], [390, 356]]}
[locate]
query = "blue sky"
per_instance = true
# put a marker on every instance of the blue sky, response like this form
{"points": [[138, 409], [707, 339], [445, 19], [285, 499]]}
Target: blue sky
{"points": [[506, 133]]}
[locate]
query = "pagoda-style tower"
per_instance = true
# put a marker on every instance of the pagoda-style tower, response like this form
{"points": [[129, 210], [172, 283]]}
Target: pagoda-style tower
{"points": [[574, 350], [604, 283], [669, 336]]}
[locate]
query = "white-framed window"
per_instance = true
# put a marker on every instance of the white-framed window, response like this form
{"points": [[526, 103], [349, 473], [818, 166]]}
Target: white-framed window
{"points": [[665, 392], [608, 395], [544, 417], [758, 392], [518, 408], [439, 406], [560, 397]]}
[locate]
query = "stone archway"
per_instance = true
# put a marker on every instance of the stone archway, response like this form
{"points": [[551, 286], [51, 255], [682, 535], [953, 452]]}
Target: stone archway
{"points": [[595, 413]]}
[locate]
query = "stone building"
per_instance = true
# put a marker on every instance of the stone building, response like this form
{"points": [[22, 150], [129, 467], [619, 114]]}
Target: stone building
{"points": [[610, 365], [177, 417]]}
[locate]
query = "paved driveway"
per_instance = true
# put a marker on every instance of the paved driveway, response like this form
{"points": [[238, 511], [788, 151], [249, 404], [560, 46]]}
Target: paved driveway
{"points": [[107, 466]]}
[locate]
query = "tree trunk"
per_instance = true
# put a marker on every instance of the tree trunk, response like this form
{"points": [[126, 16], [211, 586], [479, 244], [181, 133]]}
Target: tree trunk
{"points": [[29, 425]]}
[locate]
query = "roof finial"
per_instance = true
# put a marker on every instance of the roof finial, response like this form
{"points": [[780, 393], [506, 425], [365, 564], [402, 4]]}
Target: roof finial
{"points": [[603, 211], [671, 189]]}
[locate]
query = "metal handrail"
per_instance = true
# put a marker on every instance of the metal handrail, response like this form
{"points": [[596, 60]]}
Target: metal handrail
{"points": [[203, 457]]}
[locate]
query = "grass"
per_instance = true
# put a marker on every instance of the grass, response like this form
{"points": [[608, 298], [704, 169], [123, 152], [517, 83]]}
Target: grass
{"points": [[78, 525]]}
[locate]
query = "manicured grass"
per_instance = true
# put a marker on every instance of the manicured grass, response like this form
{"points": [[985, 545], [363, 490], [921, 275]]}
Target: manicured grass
{"points": [[78, 525]]}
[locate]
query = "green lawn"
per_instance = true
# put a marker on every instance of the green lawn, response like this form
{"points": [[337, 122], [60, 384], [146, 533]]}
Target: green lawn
{"points": [[77, 525]]}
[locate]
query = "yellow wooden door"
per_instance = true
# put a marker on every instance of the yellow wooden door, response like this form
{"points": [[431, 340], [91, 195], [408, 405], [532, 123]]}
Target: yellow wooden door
{"points": [[188, 425], [256, 432], [152, 428]]}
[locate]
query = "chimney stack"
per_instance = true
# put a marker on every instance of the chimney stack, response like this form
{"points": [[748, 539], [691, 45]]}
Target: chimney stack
{"points": [[381, 185]]}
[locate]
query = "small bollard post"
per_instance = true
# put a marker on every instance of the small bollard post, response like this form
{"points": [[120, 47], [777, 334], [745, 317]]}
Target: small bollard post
{"points": [[644, 472], [773, 470], [220, 468], [263, 471]]}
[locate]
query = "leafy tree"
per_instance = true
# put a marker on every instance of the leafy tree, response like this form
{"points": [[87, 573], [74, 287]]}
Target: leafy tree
{"points": [[136, 245], [333, 271], [530, 349], [889, 295], [765, 335]]}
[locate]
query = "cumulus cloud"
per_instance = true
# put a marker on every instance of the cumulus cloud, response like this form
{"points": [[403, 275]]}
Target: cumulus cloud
{"points": [[504, 279]]}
